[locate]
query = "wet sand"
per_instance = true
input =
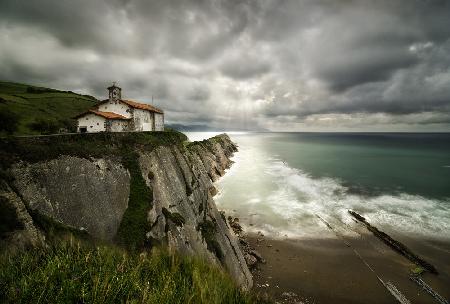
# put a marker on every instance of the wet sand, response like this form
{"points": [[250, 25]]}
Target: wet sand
{"points": [[328, 271]]}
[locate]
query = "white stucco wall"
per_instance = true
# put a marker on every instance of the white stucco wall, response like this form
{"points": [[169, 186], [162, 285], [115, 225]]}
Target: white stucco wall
{"points": [[115, 107], [118, 125], [159, 122], [142, 118], [93, 123]]}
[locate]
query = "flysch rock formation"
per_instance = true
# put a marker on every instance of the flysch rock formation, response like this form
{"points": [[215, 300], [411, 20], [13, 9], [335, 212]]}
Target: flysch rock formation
{"points": [[92, 195], [22, 232], [89, 195]]}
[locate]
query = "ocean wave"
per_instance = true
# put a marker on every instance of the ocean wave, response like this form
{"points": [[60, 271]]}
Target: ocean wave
{"points": [[281, 201], [409, 214]]}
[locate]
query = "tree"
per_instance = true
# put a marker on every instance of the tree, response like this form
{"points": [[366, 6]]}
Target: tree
{"points": [[70, 125], [44, 126], [9, 121]]}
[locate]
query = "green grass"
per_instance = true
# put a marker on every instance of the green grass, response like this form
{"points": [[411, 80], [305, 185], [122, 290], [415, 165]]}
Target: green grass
{"points": [[35, 149], [418, 270], [131, 233], [31, 103], [74, 272]]}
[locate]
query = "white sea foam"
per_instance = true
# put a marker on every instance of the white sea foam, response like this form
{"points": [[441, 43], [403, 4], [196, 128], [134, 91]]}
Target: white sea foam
{"points": [[279, 200], [405, 213]]}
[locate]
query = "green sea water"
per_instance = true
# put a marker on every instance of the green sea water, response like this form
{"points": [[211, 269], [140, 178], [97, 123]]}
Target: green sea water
{"points": [[369, 163], [280, 182]]}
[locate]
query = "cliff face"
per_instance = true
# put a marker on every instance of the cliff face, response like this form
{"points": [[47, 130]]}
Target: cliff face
{"points": [[17, 231], [182, 189], [89, 195], [169, 186]]}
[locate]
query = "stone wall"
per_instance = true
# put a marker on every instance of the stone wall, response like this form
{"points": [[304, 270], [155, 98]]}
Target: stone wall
{"points": [[142, 120], [159, 122]]}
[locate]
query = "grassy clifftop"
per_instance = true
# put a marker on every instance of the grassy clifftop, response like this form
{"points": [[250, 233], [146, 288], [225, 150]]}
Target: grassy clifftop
{"points": [[31, 104], [41, 148], [74, 272]]}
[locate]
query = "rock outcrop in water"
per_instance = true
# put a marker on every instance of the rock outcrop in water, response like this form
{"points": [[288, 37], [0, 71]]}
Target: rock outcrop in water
{"points": [[155, 186], [394, 244]]}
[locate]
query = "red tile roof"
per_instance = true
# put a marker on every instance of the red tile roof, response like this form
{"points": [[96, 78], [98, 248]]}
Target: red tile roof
{"points": [[142, 106], [136, 105], [108, 115]]}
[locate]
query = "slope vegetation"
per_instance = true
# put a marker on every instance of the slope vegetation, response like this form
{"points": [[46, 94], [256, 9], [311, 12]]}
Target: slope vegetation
{"points": [[76, 272], [38, 105]]}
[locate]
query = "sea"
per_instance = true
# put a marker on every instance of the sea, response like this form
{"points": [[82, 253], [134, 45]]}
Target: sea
{"points": [[281, 183]]}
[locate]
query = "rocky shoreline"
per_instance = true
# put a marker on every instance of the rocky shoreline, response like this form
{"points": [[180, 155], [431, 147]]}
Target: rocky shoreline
{"points": [[255, 260], [251, 255], [294, 271]]}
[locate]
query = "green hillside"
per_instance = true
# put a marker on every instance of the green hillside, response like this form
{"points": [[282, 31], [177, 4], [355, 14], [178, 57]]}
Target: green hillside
{"points": [[40, 110]]}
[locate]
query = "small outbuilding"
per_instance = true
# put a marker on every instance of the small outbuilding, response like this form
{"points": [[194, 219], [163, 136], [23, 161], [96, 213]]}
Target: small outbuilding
{"points": [[119, 115]]}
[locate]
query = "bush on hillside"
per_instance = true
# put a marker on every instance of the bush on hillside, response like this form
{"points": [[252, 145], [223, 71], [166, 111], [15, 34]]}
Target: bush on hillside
{"points": [[37, 90], [45, 126], [8, 121], [69, 125]]}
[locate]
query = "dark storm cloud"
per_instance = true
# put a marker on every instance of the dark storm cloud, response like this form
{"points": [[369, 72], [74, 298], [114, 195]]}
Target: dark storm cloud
{"points": [[241, 63], [74, 23], [369, 41], [344, 69]]}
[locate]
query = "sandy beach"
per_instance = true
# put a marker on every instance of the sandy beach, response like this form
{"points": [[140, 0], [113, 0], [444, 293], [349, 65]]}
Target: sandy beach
{"points": [[329, 271]]}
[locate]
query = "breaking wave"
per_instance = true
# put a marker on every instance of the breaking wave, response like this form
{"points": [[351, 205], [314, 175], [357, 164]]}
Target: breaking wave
{"points": [[270, 196]]}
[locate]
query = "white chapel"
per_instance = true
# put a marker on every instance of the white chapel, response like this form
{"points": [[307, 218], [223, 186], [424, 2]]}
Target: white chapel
{"points": [[119, 115]]}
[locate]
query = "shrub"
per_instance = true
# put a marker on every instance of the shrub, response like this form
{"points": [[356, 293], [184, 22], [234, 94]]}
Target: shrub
{"points": [[37, 90], [8, 218], [45, 126], [68, 124], [8, 121]]}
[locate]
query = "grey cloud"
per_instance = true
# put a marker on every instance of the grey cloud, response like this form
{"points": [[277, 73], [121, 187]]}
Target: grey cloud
{"points": [[244, 66], [357, 67], [199, 93], [74, 23], [241, 63]]}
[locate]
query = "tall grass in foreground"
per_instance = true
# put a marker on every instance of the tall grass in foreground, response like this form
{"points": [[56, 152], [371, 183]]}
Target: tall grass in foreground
{"points": [[70, 272]]}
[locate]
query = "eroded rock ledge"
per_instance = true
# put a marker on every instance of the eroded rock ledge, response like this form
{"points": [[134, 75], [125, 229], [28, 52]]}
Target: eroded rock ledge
{"points": [[184, 213], [156, 189]]}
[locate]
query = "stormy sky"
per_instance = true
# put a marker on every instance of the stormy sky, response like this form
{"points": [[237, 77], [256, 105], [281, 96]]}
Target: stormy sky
{"points": [[282, 65]]}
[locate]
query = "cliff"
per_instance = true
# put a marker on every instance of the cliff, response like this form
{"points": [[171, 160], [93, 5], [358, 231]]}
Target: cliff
{"points": [[134, 189]]}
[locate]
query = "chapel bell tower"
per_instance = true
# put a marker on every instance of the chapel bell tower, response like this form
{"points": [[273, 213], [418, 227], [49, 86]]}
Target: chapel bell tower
{"points": [[115, 93]]}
